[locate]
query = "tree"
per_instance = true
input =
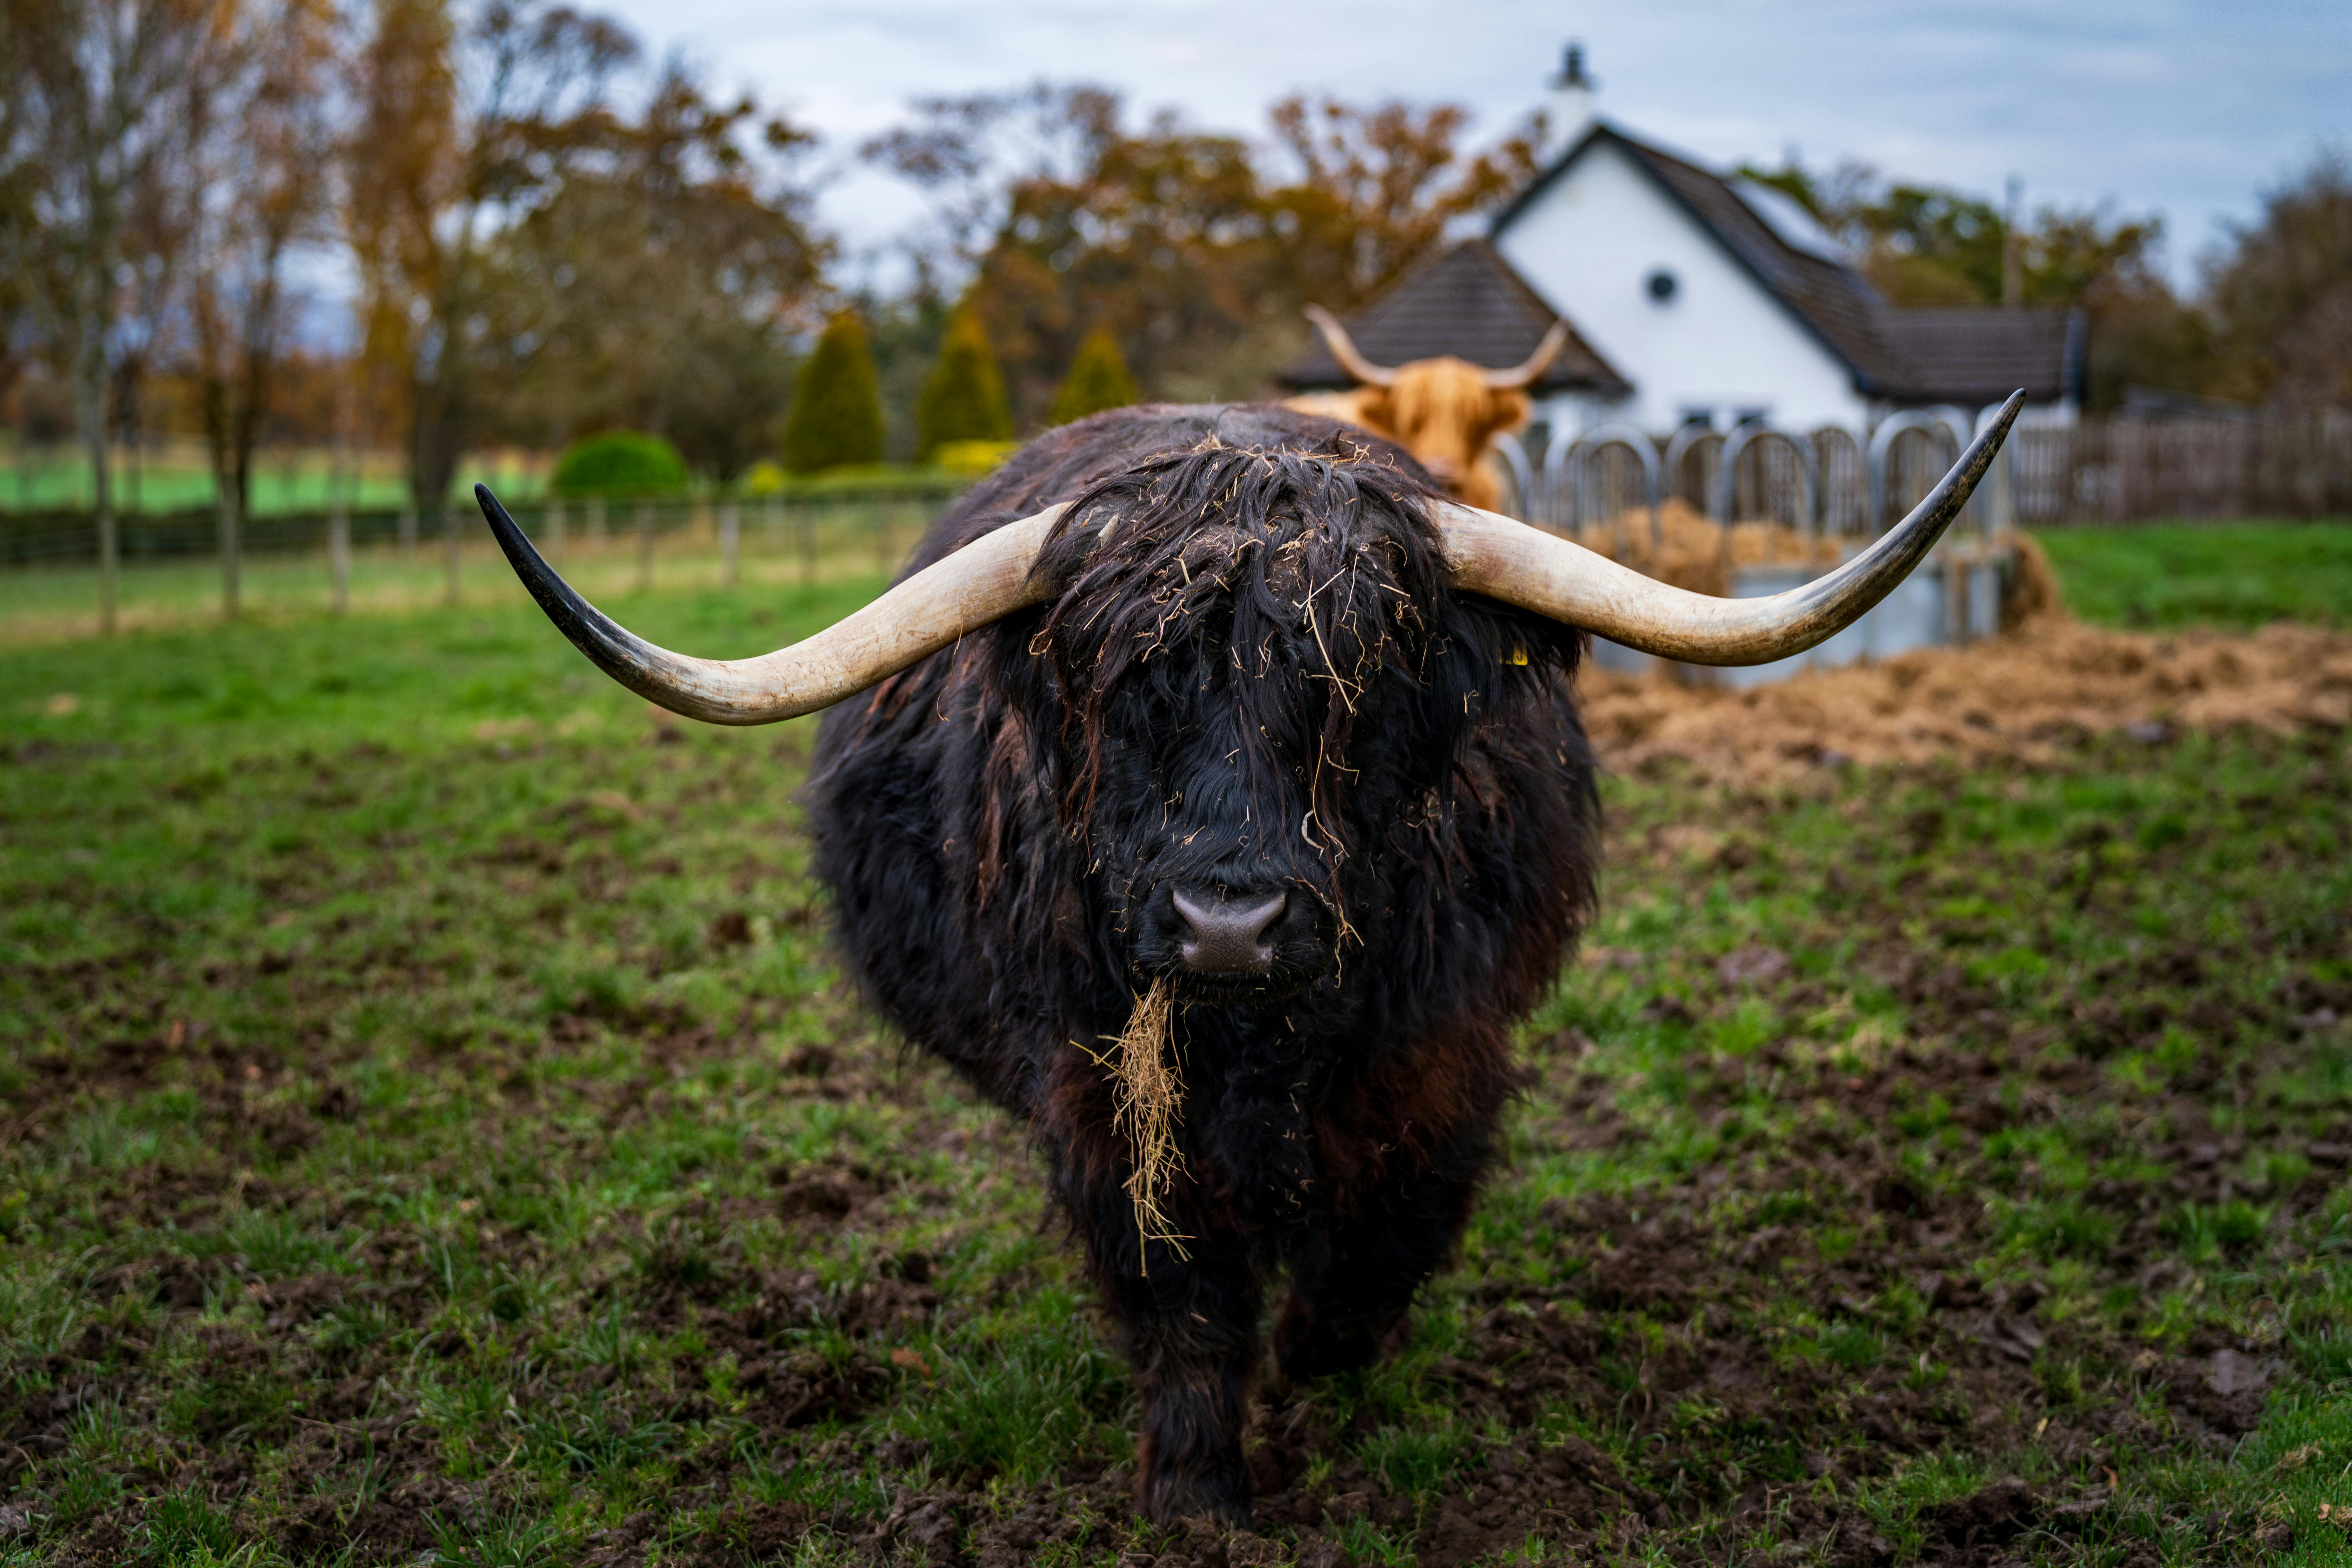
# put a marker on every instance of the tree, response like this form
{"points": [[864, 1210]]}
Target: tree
{"points": [[459, 134], [1097, 380], [2281, 296], [1374, 188], [836, 414], [963, 397], [94, 90], [1195, 250], [662, 284], [264, 140], [1930, 245]]}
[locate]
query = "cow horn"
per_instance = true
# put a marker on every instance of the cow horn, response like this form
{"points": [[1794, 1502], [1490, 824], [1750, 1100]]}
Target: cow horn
{"points": [[1343, 349], [984, 581], [1505, 559], [1536, 364]]}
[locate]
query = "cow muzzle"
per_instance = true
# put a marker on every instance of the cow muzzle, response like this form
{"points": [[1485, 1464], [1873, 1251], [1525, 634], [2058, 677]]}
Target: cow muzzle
{"points": [[1233, 943], [1227, 936]]}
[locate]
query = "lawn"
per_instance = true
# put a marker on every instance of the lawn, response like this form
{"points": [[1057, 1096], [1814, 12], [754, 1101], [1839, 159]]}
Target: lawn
{"points": [[432, 1129], [2234, 576]]}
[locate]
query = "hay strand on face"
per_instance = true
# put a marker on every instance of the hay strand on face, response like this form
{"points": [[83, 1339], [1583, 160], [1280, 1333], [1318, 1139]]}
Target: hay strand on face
{"points": [[1151, 1095]]}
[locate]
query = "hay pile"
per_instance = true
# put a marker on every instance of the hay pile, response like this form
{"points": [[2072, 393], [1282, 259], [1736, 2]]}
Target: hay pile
{"points": [[2027, 695], [1687, 550]]}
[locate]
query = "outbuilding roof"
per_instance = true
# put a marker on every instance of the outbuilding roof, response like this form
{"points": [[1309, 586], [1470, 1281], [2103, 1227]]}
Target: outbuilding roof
{"points": [[1469, 302], [1979, 354], [1902, 355]]}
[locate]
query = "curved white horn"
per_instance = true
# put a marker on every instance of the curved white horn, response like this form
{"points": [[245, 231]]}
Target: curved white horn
{"points": [[1504, 559], [981, 582], [1343, 349], [1536, 364]]}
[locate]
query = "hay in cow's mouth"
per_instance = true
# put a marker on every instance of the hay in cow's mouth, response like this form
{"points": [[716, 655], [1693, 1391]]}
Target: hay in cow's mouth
{"points": [[1150, 1093]]}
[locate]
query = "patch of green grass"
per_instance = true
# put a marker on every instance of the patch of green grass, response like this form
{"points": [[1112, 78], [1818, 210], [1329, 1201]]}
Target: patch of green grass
{"points": [[434, 1104], [2233, 575], [1020, 1406]]}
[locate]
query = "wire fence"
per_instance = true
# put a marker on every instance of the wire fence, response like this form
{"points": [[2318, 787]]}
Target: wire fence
{"points": [[176, 568]]}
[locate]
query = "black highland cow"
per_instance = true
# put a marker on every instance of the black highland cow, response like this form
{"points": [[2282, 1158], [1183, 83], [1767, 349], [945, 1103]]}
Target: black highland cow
{"points": [[1262, 729]]}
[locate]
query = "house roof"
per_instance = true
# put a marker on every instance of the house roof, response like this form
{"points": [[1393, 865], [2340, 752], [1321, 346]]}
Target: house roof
{"points": [[1902, 355], [1469, 302], [1981, 354]]}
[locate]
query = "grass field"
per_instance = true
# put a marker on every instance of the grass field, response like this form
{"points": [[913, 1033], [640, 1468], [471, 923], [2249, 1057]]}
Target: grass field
{"points": [[432, 1129], [178, 475], [2233, 576]]}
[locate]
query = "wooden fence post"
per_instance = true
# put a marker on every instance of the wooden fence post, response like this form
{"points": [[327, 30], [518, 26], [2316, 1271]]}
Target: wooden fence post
{"points": [[231, 554], [730, 545], [645, 547], [408, 528], [450, 520], [555, 530], [805, 518], [339, 553], [110, 566], [596, 522]]}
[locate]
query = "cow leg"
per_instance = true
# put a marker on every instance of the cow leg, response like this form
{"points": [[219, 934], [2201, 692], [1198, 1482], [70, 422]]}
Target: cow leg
{"points": [[1351, 1284], [1193, 1339]]}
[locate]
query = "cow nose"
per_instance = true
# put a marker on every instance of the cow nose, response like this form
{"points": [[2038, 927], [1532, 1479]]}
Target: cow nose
{"points": [[1227, 936]]}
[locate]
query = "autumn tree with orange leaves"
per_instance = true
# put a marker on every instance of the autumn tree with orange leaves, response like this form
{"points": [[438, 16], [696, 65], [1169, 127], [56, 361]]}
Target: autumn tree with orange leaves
{"points": [[1194, 250], [263, 139]]}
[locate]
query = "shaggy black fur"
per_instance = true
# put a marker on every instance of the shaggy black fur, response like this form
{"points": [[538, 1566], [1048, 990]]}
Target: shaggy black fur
{"points": [[1253, 675]]}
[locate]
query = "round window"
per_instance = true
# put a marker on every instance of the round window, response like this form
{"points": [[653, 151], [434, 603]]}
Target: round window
{"points": [[1661, 284]]}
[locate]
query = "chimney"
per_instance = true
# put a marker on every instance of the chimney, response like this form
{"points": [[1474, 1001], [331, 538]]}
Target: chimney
{"points": [[1570, 108], [2012, 261]]}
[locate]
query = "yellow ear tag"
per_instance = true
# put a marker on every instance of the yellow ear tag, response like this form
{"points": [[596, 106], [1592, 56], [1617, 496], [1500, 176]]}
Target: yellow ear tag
{"points": [[1518, 653]]}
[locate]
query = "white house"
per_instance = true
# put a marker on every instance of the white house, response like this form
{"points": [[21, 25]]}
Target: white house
{"points": [[1696, 296]]}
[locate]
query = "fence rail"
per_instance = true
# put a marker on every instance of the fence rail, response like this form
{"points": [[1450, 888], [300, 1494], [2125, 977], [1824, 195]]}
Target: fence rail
{"points": [[30, 539], [171, 570]]}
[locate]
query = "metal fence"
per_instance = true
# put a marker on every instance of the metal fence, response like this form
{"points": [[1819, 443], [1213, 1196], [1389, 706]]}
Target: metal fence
{"points": [[2096, 471]]}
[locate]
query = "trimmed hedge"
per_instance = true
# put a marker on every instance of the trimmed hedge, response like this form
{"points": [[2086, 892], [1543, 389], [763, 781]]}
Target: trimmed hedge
{"points": [[620, 465]]}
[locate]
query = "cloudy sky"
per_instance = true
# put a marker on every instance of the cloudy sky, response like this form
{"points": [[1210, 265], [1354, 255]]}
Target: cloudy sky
{"points": [[2182, 107]]}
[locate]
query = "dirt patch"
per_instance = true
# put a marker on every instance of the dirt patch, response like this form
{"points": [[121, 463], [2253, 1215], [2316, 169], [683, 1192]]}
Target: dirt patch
{"points": [[2032, 696]]}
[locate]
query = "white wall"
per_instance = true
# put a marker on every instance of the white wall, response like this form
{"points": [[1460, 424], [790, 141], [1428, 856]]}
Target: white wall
{"points": [[1590, 243]]}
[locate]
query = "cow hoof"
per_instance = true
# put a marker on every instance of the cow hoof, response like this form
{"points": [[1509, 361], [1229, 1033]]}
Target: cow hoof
{"points": [[1318, 1355], [1222, 1501]]}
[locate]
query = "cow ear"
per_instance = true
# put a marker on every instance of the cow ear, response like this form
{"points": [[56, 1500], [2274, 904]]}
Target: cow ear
{"points": [[1376, 407], [1507, 411]]}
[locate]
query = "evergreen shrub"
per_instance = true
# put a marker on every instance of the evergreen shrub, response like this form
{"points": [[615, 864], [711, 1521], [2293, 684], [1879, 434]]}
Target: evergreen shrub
{"points": [[1098, 379], [963, 397], [836, 415]]}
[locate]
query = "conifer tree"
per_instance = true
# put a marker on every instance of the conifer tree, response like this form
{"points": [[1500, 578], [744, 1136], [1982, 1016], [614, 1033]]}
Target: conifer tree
{"points": [[836, 415], [1097, 380], [964, 398]]}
